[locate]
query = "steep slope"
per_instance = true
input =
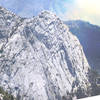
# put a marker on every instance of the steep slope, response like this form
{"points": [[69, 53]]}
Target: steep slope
{"points": [[40, 59], [89, 36]]}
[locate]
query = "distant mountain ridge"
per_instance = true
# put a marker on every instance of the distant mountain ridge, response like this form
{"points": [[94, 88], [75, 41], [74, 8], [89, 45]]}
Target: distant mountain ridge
{"points": [[89, 36]]}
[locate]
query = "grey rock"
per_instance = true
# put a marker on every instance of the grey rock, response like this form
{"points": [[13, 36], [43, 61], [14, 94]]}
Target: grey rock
{"points": [[39, 58]]}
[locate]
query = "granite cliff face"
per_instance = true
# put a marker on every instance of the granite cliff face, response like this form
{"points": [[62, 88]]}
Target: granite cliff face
{"points": [[39, 58]]}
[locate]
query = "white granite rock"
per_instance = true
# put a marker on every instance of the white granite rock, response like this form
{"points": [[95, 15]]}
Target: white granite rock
{"points": [[39, 58]]}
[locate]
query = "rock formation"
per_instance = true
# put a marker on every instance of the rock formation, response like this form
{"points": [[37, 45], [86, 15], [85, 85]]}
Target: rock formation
{"points": [[40, 59]]}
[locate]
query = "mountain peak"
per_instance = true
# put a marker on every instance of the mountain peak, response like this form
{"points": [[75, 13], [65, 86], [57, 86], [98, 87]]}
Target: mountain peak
{"points": [[41, 59], [46, 12], [48, 16]]}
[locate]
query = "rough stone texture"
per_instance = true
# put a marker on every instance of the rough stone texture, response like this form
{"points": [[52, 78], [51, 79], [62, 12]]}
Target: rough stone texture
{"points": [[39, 58]]}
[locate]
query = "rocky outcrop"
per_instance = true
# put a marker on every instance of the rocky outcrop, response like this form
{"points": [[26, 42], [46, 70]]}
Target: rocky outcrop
{"points": [[40, 59]]}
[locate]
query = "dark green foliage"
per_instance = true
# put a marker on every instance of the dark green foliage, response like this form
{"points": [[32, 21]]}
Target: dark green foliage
{"points": [[1, 50], [69, 96], [95, 88], [6, 95], [81, 93]]}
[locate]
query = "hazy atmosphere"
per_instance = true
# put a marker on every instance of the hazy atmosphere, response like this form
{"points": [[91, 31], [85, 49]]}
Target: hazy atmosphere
{"points": [[87, 10], [52, 54]]}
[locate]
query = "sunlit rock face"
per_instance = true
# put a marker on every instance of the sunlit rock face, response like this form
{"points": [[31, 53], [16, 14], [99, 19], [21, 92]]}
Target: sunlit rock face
{"points": [[39, 58]]}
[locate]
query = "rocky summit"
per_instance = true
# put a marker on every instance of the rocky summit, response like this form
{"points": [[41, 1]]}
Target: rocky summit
{"points": [[40, 59]]}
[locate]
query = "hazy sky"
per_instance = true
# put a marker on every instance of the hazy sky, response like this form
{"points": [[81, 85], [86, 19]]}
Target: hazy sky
{"points": [[88, 10]]}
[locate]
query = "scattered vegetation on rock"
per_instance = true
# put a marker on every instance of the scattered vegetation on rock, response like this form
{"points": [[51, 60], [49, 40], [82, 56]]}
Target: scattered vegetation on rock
{"points": [[93, 76], [6, 95]]}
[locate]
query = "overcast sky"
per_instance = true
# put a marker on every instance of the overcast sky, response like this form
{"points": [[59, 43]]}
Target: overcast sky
{"points": [[88, 10]]}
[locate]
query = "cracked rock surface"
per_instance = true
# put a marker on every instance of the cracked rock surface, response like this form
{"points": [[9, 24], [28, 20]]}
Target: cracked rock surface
{"points": [[39, 58]]}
